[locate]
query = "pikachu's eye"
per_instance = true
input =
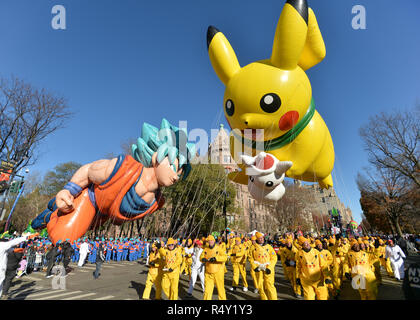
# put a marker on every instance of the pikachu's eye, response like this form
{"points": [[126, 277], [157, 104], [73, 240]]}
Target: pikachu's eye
{"points": [[230, 107], [270, 102]]}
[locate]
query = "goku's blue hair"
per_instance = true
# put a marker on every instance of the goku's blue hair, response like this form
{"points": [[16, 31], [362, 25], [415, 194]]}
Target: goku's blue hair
{"points": [[168, 141]]}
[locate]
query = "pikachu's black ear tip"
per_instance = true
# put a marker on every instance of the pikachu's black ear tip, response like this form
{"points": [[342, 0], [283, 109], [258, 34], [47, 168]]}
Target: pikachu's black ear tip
{"points": [[211, 32], [301, 7]]}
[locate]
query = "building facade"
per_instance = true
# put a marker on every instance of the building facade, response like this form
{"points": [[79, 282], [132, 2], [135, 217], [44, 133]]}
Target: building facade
{"points": [[326, 200]]}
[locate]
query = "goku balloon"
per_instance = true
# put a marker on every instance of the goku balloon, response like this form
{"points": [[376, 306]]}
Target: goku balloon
{"points": [[121, 189]]}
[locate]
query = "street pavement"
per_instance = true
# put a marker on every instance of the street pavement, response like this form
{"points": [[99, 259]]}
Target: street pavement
{"points": [[125, 281]]}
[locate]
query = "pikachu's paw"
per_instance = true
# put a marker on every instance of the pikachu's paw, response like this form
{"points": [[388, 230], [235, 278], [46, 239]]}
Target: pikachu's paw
{"points": [[295, 171], [326, 183]]}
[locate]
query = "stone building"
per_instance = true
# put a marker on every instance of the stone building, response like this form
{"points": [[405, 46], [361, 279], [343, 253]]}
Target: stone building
{"points": [[326, 200], [253, 215]]}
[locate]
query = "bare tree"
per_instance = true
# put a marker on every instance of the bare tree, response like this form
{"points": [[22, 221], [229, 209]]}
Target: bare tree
{"points": [[291, 210], [388, 189], [392, 141], [27, 116]]}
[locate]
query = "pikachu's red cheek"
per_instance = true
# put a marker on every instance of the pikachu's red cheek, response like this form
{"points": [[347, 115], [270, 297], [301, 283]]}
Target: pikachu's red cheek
{"points": [[288, 120]]}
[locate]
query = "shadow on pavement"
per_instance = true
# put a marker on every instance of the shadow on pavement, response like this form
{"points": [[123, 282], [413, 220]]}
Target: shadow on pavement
{"points": [[139, 287]]}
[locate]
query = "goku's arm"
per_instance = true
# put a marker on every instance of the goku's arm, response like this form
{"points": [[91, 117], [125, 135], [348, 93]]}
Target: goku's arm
{"points": [[95, 172]]}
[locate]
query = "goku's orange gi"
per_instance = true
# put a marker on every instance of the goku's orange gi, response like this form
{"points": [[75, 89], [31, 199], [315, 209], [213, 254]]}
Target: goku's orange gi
{"points": [[114, 199]]}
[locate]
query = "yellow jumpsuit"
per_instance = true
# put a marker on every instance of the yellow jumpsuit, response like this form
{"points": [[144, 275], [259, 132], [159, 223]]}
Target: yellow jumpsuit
{"points": [[280, 253], [363, 278], [376, 263], [183, 263], [290, 267], [222, 246], [309, 269], [252, 272], [338, 253], [265, 282], [327, 262], [385, 262], [238, 264], [170, 279], [154, 277], [214, 272], [188, 262]]}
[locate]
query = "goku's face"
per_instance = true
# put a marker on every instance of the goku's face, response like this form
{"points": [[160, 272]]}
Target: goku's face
{"points": [[167, 174]]}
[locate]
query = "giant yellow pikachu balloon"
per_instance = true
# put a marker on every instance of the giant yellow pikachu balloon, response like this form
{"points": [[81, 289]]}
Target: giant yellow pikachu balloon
{"points": [[275, 95]]}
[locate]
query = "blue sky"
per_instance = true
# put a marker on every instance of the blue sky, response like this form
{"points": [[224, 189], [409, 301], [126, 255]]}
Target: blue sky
{"points": [[121, 63]]}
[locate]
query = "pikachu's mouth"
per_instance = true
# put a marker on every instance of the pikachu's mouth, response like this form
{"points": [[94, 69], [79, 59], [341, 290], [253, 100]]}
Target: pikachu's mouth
{"points": [[290, 120]]}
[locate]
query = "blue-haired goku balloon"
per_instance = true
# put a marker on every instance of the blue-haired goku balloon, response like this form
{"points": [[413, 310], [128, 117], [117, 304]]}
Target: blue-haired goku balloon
{"points": [[122, 189]]}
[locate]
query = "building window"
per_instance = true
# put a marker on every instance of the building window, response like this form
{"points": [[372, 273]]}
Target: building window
{"points": [[323, 199]]}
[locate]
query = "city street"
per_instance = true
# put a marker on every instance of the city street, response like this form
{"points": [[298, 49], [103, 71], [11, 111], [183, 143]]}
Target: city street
{"points": [[125, 281]]}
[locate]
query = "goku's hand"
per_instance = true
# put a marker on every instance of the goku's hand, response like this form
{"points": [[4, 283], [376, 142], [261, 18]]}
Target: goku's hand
{"points": [[64, 201]]}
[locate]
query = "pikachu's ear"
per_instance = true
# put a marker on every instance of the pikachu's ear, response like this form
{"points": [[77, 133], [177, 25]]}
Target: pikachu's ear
{"points": [[314, 50], [222, 56], [290, 36]]}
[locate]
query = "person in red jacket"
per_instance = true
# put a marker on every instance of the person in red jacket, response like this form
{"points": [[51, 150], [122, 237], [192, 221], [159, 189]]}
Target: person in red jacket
{"points": [[122, 189]]}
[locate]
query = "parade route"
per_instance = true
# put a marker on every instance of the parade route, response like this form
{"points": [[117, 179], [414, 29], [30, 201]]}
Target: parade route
{"points": [[125, 281]]}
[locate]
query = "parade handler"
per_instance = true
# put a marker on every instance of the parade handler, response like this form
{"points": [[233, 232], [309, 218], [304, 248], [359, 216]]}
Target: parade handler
{"points": [[238, 255], [214, 258], [122, 189], [172, 260], [154, 276], [263, 260], [396, 256], [358, 269], [310, 272]]}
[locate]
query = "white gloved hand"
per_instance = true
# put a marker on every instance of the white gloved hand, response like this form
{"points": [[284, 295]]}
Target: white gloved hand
{"points": [[262, 267]]}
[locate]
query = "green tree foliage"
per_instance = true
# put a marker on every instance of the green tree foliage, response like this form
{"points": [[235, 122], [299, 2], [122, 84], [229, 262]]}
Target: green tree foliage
{"points": [[55, 179], [195, 206]]}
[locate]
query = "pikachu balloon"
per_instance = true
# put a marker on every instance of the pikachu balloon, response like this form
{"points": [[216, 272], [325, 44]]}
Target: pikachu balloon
{"points": [[275, 95]]}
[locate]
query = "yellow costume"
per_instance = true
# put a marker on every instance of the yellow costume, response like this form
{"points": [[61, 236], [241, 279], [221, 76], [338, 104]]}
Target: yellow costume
{"points": [[154, 276], [358, 265], [263, 260], [214, 259], [238, 257], [171, 267], [290, 267], [252, 272], [309, 270]]}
